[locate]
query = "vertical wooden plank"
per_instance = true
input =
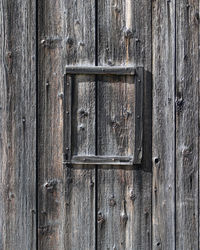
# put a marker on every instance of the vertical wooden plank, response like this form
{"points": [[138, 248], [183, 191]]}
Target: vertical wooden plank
{"points": [[187, 101], [80, 180], [163, 72], [124, 194], [66, 196], [17, 125]]}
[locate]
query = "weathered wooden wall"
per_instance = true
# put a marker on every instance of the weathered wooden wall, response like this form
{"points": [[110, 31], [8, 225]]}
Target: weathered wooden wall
{"points": [[46, 205]]}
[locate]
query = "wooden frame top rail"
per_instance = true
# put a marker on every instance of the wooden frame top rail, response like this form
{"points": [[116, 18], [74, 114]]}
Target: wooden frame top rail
{"points": [[100, 70]]}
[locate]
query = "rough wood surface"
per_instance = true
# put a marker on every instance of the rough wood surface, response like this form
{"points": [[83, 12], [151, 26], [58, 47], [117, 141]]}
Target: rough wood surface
{"points": [[116, 118], [87, 206], [17, 125], [124, 195], [163, 73], [66, 196], [187, 139], [84, 117]]}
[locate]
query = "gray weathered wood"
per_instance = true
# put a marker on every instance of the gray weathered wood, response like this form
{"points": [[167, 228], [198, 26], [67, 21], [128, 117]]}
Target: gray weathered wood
{"points": [[66, 196], [124, 195], [17, 125], [71, 140], [81, 116], [187, 130], [163, 73]]}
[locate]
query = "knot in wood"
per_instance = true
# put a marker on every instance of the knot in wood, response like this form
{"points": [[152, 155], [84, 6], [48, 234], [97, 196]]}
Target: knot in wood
{"points": [[115, 124], [156, 160], [61, 95], [83, 113], [117, 10], [82, 127], [51, 185], [91, 184], [128, 33], [81, 44], [124, 218], [70, 41], [132, 195], [112, 202], [100, 218], [9, 54], [179, 104]]}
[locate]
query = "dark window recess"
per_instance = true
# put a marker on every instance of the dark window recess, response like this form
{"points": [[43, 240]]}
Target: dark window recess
{"points": [[103, 115]]}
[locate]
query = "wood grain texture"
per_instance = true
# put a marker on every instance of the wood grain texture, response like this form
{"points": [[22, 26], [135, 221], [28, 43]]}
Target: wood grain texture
{"points": [[116, 118], [66, 196], [17, 125], [187, 129], [84, 117], [163, 73], [124, 194], [80, 183]]}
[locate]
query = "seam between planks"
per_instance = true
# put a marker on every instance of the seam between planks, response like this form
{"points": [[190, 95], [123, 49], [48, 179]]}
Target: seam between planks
{"points": [[151, 236], [175, 68], [37, 153], [96, 124], [198, 143]]}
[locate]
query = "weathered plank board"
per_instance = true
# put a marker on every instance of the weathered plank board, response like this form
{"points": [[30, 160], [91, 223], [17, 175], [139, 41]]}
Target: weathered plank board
{"points": [[163, 73], [187, 139], [17, 125], [80, 181], [66, 196], [124, 198]]}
